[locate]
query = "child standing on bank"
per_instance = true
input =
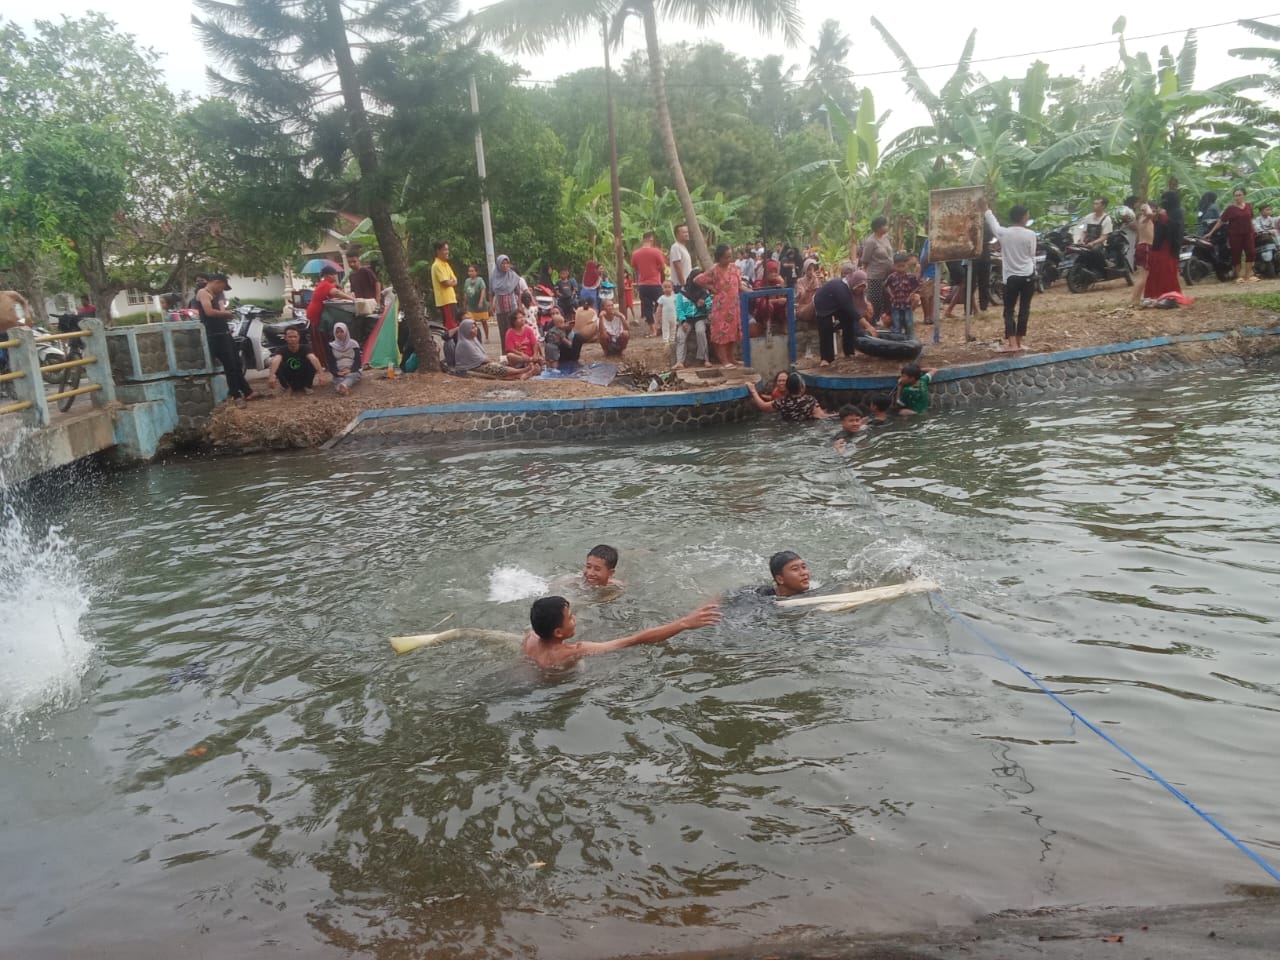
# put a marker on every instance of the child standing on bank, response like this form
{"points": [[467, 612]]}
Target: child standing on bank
{"points": [[666, 314], [900, 287], [913, 390]]}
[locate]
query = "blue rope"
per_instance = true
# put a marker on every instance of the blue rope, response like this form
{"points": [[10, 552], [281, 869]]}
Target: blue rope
{"points": [[967, 624], [1240, 845]]}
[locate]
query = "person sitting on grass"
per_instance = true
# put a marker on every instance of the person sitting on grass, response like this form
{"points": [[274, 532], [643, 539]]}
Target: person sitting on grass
{"points": [[913, 390], [613, 331], [469, 357], [553, 624], [852, 422], [295, 368], [344, 360], [522, 346], [796, 407]]}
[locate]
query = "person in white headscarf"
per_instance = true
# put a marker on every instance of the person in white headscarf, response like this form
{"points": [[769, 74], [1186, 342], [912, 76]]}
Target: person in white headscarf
{"points": [[344, 359], [469, 357]]}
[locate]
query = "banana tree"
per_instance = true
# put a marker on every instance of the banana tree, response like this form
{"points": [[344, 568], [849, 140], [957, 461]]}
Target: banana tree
{"points": [[1166, 125]]}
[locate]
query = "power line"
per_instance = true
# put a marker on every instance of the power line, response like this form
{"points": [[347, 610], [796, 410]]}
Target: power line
{"points": [[942, 66]]}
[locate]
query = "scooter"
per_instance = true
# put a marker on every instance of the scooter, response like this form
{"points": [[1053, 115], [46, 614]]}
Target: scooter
{"points": [[247, 335], [1098, 266], [1210, 257], [271, 340], [1264, 264], [49, 354]]}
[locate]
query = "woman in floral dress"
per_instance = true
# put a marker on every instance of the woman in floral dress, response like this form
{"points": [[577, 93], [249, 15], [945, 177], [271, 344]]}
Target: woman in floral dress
{"points": [[724, 283]]}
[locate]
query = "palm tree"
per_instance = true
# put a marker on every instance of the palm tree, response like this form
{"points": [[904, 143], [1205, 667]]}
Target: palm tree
{"points": [[827, 70], [532, 25]]}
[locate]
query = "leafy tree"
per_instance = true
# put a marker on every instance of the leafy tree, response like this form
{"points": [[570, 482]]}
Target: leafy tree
{"points": [[86, 171], [1165, 125], [338, 76], [531, 25]]}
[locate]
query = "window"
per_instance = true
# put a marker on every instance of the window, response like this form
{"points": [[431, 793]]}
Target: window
{"points": [[137, 299]]}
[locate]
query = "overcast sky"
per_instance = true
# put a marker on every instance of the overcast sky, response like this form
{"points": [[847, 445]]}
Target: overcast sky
{"points": [[932, 33]]}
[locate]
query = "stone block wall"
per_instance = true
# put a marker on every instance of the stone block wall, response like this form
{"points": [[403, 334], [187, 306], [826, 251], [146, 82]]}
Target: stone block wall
{"points": [[1018, 378]]}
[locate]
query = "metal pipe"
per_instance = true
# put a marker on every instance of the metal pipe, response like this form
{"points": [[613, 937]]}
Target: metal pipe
{"points": [[68, 364], [91, 388]]}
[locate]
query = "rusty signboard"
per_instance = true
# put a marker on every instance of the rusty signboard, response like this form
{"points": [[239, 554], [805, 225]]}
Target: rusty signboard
{"points": [[955, 223]]}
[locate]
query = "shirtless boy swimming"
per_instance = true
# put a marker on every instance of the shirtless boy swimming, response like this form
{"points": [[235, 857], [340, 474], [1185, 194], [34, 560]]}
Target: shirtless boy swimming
{"points": [[554, 623]]}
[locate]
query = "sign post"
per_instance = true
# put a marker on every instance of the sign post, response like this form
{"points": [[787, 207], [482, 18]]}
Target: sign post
{"points": [[955, 233]]}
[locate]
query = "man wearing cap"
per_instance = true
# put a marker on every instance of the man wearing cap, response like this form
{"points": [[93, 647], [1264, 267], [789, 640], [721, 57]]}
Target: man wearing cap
{"points": [[326, 289], [221, 347]]}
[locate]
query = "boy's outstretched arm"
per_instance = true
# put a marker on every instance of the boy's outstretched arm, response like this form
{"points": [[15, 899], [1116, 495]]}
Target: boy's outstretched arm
{"points": [[704, 616]]}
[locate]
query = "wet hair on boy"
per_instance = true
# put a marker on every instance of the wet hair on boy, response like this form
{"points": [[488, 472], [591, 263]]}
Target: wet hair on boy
{"points": [[547, 615], [606, 553]]}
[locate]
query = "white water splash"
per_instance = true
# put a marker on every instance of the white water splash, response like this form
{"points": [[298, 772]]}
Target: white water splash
{"points": [[43, 595], [514, 583]]}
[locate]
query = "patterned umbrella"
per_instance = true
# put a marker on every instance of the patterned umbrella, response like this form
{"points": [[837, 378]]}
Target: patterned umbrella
{"points": [[316, 265]]}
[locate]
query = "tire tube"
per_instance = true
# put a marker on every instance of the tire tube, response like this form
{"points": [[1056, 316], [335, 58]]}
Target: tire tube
{"points": [[886, 349]]}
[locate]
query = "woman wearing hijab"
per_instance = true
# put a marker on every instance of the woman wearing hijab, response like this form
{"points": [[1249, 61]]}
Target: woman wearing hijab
{"points": [[1166, 246], [344, 359], [469, 357], [505, 286], [591, 284]]}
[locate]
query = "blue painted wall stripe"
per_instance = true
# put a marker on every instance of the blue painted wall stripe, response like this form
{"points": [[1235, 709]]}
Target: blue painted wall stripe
{"points": [[649, 401]]}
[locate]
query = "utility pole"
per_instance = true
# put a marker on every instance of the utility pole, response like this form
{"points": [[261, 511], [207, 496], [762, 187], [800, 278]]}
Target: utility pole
{"points": [[485, 219]]}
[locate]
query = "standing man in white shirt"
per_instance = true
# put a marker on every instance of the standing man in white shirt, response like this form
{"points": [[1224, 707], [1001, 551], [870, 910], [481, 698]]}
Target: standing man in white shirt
{"points": [[679, 259], [1018, 249]]}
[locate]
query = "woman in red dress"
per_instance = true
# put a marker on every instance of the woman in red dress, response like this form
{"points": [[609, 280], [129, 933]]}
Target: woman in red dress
{"points": [[1238, 220], [1162, 261], [724, 282]]}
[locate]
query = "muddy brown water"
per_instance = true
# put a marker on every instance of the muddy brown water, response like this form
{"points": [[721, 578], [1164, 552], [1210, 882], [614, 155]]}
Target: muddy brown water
{"points": [[228, 758]]}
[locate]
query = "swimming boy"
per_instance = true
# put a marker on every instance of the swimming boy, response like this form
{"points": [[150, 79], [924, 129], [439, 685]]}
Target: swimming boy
{"points": [[790, 575], [553, 623], [913, 389], [881, 408], [852, 422], [602, 560]]}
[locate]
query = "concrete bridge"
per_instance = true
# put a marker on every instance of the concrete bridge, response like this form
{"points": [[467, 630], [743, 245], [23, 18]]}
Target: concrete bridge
{"points": [[138, 384]]}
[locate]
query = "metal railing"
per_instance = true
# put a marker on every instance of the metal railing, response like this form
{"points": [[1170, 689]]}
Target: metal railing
{"points": [[27, 376]]}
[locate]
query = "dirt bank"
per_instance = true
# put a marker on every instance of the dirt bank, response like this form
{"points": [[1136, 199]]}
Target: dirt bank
{"points": [[1059, 321]]}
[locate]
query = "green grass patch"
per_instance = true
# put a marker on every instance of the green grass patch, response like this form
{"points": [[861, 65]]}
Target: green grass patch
{"points": [[1259, 301]]}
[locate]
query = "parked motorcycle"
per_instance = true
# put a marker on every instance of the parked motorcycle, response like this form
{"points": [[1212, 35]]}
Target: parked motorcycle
{"points": [[247, 335], [1264, 264], [1209, 258], [271, 340], [1098, 265], [49, 354]]}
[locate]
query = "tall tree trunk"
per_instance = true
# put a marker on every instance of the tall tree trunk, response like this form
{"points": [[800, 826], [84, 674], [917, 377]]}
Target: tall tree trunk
{"points": [[389, 243], [658, 79], [615, 188]]}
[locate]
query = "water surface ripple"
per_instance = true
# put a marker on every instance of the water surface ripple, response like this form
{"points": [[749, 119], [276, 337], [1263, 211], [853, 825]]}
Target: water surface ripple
{"points": [[249, 768]]}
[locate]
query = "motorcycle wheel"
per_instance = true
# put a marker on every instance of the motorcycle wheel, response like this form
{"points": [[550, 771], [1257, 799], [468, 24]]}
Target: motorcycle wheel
{"points": [[1196, 271], [52, 379], [997, 287], [1079, 279], [70, 381]]}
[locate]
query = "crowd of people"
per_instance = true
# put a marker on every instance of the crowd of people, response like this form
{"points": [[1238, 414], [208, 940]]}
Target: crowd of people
{"points": [[544, 323]]}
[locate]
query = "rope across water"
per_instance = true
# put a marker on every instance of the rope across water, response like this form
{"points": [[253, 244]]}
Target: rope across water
{"points": [[967, 624]]}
